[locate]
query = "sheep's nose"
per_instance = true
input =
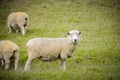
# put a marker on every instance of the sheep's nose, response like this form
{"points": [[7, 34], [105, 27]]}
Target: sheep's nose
{"points": [[75, 40]]}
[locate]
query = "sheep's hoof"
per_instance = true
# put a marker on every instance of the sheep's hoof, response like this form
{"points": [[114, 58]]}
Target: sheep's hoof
{"points": [[61, 68]]}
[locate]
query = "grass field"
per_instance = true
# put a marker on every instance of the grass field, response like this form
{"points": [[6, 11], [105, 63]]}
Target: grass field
{"points": [[97, 56]]}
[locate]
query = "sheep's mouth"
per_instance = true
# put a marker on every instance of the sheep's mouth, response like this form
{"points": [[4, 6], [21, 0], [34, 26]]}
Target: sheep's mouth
{"points": [[75, 42], [69, 56]]}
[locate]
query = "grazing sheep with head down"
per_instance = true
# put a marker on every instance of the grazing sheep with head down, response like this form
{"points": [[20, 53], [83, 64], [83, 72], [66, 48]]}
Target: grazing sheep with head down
{"points": [[8, 50], [48, 49], [17, 20]]}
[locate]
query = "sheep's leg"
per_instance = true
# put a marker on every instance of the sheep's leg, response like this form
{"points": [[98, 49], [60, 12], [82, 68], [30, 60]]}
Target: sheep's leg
{"points": [[17, 30], [63, 61], [28, 64], [63, 65], [10, 28], [16, 64], [23, 30], [7, 63], [2, 62], [16, 61]]}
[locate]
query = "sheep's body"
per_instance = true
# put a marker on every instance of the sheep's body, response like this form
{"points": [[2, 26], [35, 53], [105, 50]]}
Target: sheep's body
{"points": [[9, 49], [18, 19], [48, 49]]}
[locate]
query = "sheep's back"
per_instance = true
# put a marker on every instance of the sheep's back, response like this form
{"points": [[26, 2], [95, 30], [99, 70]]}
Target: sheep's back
{"points": [[45, 48], [21, 16], [7, 46], [12, 18], [17, 17], [44, 45]]}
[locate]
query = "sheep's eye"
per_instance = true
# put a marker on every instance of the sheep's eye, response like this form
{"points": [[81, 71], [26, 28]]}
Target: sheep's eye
{"points": [[68, 33], [79, 32]]}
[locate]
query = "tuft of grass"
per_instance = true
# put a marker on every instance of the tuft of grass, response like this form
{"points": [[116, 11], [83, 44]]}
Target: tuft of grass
{"points": [[97, 55]]}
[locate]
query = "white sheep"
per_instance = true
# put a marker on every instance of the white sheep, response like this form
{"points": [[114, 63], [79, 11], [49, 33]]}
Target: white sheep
{"points": [[8, 50], [48, 49], [17, 20]]}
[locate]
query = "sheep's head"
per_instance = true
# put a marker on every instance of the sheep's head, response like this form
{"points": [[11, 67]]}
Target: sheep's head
{"points": [[74, 36]]}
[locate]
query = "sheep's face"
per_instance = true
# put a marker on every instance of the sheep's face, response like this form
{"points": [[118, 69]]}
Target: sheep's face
{"points": [[74, 36]]}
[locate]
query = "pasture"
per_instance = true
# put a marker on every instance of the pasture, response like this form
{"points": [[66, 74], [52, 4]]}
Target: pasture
{"points": [[97, 56]]}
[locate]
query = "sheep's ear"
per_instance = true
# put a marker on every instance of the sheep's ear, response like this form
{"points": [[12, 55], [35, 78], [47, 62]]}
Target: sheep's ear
{"points": [[79, 32], [68, 33]]}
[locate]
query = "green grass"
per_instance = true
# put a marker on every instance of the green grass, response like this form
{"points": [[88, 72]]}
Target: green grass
{"points": [[97, 56]]}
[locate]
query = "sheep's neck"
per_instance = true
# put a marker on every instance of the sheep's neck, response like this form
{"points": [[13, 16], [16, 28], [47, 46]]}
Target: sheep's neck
{"points": [[71, 45]]}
